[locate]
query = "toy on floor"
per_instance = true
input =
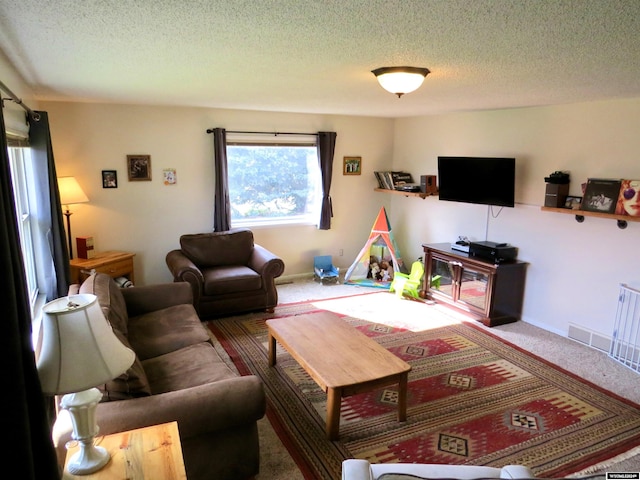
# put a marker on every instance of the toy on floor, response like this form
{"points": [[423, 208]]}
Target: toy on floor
{"points": [[409, 284], [323, 269], [380, 249]]}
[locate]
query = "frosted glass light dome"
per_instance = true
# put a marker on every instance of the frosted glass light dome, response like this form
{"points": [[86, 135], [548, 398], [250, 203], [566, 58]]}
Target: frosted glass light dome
{"points": [[400, 80]]}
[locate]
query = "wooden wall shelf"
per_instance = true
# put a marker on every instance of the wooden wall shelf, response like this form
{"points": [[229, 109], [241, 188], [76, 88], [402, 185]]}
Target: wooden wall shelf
{"points": [[580, 214], [406, 194]]}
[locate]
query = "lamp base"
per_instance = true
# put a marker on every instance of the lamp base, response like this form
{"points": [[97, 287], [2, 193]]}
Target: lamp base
{"points": [[88, 459], [82, 410], [67, 213]]}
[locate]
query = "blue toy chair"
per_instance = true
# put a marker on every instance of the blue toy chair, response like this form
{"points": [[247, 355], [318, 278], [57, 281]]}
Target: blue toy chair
{"points": [[323, 268]]}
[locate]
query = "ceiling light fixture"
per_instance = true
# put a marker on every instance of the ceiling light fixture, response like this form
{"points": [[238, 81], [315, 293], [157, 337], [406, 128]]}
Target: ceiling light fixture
{"points": [[400, 80]]}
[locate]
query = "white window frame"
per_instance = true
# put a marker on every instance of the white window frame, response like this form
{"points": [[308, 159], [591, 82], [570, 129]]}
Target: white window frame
{"points": [[312, 217], [25, 197], [22, 180]]}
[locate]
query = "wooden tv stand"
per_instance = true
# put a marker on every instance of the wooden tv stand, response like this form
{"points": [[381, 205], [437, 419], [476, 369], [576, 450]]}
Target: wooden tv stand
{"points": [[490, 293]]}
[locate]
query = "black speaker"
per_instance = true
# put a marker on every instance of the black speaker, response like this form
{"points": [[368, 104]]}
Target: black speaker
{"points": [[428, 184], [556, 194]]}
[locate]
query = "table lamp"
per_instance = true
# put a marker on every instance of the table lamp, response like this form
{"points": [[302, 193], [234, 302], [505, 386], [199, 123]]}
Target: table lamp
{"points": [[70, 193], [80, 351]]}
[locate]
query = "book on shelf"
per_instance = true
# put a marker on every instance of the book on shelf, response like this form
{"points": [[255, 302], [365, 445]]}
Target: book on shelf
{"points": [[380, 179], [384, 180], [401, 178], [392, 180]]}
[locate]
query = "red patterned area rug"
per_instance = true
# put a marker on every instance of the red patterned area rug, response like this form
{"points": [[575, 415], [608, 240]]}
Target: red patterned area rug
{"points": [[472, 398]]}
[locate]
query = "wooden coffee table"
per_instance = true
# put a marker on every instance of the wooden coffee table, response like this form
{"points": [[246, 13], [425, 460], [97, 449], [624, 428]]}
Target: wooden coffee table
{"points": [[339, 358]]}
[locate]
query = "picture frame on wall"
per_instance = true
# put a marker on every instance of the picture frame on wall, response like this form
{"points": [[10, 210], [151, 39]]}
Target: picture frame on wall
{"points": [[573, 202], [601, 195], [352, 166], [169, 176], [139, 167], [109, 179]]}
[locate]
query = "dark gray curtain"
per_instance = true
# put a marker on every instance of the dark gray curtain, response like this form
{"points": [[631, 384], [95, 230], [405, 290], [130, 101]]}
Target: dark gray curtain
{"points": [[53, 228], [222, 206], [326, 148], [25, 419]]}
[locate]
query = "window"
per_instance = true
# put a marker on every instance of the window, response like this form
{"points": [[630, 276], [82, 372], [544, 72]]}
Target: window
{"points": [[23, 182], [274, 184]]}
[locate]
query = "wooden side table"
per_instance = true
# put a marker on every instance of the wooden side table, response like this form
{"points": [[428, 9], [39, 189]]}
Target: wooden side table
{"points": [[113, 263], [145, 453]]}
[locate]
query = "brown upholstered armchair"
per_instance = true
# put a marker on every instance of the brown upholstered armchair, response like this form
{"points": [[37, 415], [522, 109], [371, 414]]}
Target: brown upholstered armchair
{"points": [[227, 271]]}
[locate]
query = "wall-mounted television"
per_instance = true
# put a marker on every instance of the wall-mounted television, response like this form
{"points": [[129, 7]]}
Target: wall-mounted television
{"points": [[483, 180]]}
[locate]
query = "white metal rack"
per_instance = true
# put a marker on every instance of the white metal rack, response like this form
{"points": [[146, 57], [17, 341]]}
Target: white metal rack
{"points": [[625, 344]]}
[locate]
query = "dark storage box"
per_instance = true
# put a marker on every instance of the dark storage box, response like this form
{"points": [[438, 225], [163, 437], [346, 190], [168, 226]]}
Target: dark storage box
{"points": [[556, 195]]}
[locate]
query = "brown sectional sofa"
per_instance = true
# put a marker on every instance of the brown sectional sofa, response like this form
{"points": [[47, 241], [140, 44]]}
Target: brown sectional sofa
{"points": [[178, 375]]}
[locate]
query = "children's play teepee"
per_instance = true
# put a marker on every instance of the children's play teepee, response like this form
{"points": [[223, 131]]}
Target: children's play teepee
{"points": [[378, 259]]}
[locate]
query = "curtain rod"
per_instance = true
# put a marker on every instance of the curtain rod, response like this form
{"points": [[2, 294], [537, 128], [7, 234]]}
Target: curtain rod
{"points": [[15, 99], [210, 130]]}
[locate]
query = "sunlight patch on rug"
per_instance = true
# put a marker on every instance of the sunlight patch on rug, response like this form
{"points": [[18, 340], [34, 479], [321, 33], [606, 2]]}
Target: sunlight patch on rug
{"points": [[387, 309]]}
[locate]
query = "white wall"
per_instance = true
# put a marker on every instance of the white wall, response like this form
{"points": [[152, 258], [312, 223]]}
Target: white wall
{"points": [[574, 269], [148, 217]]}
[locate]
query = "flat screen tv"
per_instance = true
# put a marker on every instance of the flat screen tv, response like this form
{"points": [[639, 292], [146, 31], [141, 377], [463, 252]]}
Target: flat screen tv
{"points": [[483, 180]]}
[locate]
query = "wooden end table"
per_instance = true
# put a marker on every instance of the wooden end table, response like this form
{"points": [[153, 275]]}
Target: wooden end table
{"points": [[144, 453], [113, 263], [340, 359]]}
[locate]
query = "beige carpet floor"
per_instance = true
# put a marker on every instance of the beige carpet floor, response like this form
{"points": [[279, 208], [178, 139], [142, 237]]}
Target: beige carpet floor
{"points": [[588, 363]]}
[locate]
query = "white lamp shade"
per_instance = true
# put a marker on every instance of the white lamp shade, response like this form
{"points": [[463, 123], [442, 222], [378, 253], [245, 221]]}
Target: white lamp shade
{"points": [[79, 349], [400, 80], [70, 191]]}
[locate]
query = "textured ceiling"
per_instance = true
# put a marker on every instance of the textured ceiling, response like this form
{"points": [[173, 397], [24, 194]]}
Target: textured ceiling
{"points": [[316, 55]]}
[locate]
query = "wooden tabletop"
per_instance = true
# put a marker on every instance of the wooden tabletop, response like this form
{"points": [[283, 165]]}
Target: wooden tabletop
{"points": [[145, 453], [101, 259], [333, 352], [341, 360]]}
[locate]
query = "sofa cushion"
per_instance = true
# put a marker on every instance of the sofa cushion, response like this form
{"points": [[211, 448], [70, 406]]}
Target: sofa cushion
{"points": [[110, 299], [230, 279], [232, 247], [131, 384], [163, 331], [400, 476], [188, 367]]}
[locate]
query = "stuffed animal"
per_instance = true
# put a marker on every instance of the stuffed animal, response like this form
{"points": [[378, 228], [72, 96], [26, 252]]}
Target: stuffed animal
{"points": [[375, 271], [387, 271], [385, 275]]}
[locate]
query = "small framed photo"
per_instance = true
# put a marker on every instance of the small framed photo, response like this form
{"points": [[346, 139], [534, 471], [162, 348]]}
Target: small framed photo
{"points": [[169, 176], [573, 202], [139, 167], [352, 166], [109, 179]]}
